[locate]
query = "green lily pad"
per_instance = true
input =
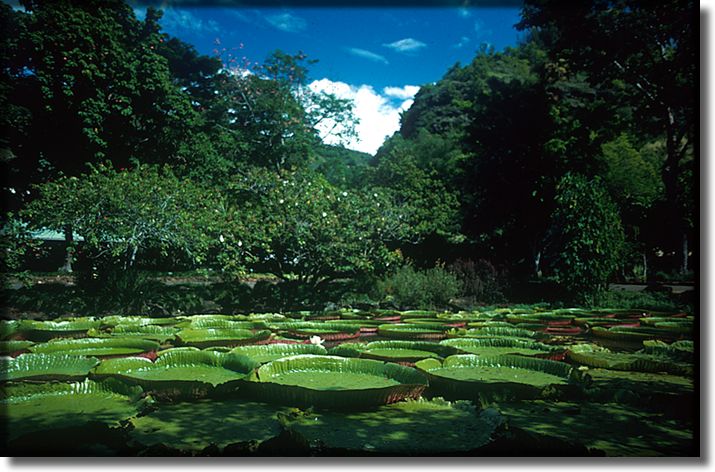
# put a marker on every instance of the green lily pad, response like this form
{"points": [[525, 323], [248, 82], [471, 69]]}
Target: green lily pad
{"points": [[596, 356], [44, 330], [154, 332], [499, 346], [9, 347], [95, 346], [412, 427], [678, 350], [220, 337], [193, 426], [413, 331], [114, 320], [222, 323], [472, 377], [32, 366], [26, 408], [336, 382], [179, 369], [491, 332], [327, 331], [270, 352], [8, 328], [637, 334], [399, 351]]}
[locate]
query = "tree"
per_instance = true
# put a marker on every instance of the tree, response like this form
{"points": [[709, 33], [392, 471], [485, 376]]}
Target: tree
{"points": [[650, 53], [272, 115], [301, 228], [89, 85], [122, 214], [585, 236]]}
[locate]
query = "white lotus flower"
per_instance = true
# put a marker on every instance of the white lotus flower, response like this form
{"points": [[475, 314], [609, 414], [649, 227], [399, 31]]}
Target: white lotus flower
{"points": [[317, 340]]}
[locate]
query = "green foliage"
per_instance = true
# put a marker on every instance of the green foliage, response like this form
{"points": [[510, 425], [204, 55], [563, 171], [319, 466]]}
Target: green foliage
{"points": [[298, 226], [122, 212], [429, 288], [587, 234], [480, 279], [15, 243]]}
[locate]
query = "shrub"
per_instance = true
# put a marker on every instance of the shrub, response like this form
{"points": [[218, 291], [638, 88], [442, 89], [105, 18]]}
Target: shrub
{"points": [[410, 288], [480, 279]]}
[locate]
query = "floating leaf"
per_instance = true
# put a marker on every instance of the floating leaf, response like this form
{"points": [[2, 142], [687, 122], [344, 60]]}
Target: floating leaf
{"points": [[47, 367]]}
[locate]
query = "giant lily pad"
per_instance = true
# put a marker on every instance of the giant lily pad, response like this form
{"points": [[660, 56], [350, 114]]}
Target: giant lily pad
{"points": [[194, 426], [678, 350], [596, 356], [471, 377], [491, 332], [47, 367], [44, 330], [327, 331], [270, 352], [96, 346], [154, 332], [498, 346], [114, 320], [336, 382], [13, 346], [412, 427], [636, 334], [220, 337], [27, 408], [182, 369], [396, 351], [413, 331]]}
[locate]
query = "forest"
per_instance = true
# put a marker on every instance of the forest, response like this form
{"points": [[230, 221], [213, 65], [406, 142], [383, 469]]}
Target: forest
{"points": [[189, 269]]}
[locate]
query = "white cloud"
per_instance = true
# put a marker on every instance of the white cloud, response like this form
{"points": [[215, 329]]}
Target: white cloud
{"points": [[481, 31], [463, 41], [464, 12], [403, 93], [406, 45], [364, 53], [175, 20], [378, 114], [287, 22]]}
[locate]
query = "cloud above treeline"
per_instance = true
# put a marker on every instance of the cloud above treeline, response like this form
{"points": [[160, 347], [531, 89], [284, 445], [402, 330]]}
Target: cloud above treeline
{"points": [[287, 22], [365, 54], [406, 45], [378, 113]]}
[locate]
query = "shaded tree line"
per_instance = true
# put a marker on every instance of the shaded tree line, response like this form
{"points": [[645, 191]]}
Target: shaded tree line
{"points": [[570, 155]]}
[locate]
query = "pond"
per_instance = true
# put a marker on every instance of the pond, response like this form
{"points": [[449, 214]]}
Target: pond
{"points": [[502, 382]]}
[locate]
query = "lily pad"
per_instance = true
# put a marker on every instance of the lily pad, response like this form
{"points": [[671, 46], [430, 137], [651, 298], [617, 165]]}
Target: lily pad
{"points": [[271, 352], [26, 408], [404, 351], [596, 356], [194, 426], [96, 346], [412, 427], [327, 331], [491, 332], [32, 366], [678, 350], [336, 382], [179, 369], [632, 334], [498, 346], [12, 346], [44, 330], [220, 337], [154, 332], [413, 331], [472, 377]]}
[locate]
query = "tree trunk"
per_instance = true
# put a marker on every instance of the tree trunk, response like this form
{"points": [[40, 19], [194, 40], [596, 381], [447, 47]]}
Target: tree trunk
{"points": [[645, 267], [684, 267], [537, 264], [69, 250]]}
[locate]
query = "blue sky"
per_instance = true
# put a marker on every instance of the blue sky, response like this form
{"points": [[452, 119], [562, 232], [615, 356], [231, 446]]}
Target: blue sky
{"points": [[378, 57]]}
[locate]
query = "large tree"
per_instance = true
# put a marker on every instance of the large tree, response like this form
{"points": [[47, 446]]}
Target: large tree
{"points": [[648, 51]]}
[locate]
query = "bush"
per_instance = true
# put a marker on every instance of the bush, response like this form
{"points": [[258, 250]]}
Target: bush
{"points": [[410, 288], [480, 279]]}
